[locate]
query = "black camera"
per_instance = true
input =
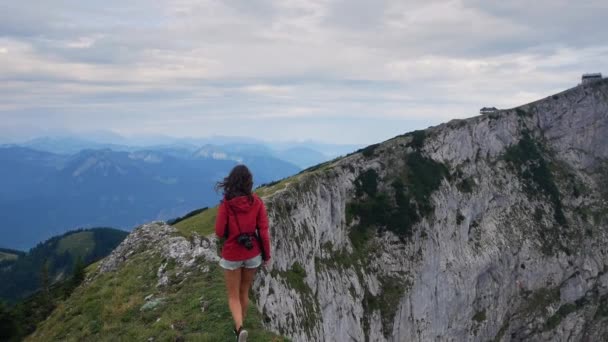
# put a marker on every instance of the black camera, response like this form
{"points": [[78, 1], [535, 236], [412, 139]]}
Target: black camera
{"points": [[245, 240]]}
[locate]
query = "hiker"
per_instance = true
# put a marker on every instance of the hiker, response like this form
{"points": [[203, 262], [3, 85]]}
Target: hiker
{"points": [[242, 221]]}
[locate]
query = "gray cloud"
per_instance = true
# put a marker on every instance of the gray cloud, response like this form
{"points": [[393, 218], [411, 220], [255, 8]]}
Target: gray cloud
{"points": [[299, 67]]}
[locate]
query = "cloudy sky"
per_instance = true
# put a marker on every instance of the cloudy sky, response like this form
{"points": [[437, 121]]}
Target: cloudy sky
{"points": [[349, 71]]}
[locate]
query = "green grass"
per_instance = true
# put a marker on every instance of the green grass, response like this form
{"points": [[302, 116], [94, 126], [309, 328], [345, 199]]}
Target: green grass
{"points": [[78, 245], [295, 278], [203, 224], [109, 309], [274, 187]]}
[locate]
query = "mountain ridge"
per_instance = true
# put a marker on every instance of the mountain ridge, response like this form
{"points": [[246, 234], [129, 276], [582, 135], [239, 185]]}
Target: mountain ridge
{"points": [[488, 228]]}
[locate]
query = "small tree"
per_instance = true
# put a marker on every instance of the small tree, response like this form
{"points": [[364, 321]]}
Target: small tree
{"points": [[78, 272]]}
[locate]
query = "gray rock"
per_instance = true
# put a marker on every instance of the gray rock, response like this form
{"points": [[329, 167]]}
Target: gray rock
{"points": [[508, 258]]}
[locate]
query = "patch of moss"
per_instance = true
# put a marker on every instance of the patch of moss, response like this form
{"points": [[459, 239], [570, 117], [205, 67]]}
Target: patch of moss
{"points": [[475, 233], [459, 217], [479, 316], [387, 302], [501, 332], [295, 279], [562, 312], [466, 185], [539, 300], [602, 308], [538, 215], [533, 169]]}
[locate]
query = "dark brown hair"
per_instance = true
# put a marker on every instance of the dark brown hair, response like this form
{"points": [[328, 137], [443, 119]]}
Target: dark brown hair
{"points": [[238, 183]]}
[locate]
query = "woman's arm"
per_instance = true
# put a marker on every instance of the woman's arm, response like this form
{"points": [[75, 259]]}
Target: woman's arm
{"points": [[263, 230], [221, 220]]}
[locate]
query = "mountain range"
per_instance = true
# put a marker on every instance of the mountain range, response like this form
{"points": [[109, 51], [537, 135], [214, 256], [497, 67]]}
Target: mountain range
{"points": [[302, 154], [43, 194]]}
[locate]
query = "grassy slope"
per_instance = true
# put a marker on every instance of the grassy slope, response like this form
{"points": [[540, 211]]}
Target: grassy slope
{"points": [[109, 308], [78, 244], [8, 256]]}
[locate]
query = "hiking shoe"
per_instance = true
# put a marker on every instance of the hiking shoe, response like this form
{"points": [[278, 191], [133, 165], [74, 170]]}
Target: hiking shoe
{"points": [[241, 335]]}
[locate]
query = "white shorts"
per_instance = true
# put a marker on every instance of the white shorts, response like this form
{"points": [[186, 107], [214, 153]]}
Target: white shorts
{"points": [[254, 262]]}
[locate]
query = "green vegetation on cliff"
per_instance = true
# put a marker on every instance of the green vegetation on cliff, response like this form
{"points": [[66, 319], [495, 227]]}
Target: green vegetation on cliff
{"points": [[527, 159], [410, 201]]}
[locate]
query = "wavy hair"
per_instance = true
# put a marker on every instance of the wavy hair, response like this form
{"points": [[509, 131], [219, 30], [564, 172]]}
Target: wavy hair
{"points": [[238, 183]]}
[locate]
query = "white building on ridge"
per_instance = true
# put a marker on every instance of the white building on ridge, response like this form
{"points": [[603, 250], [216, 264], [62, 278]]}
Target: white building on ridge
{"points": [[588, 78]]}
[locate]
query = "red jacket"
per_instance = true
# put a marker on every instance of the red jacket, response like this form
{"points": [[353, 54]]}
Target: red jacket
{"points": [[250, 215]]}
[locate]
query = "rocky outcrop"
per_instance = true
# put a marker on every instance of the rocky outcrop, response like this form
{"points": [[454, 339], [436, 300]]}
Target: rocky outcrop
{"points": [[495, 229], [164, 240]]}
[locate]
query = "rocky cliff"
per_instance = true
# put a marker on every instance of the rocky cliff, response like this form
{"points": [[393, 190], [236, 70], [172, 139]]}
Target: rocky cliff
{"points": [[492, 228]]}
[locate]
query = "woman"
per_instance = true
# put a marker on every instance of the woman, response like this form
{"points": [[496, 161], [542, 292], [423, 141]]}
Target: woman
{"points": [[239, 215]]}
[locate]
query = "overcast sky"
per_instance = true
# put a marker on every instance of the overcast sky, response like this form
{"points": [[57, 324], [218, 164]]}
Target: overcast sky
{"points": [[349, 71]]}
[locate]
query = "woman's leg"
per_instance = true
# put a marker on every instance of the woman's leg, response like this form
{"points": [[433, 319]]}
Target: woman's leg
{"points": [[233, 282], [246, 280]]}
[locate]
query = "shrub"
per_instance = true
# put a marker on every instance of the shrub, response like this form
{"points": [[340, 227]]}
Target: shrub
{"points": [[367, 183], [369, 150], [459, 217], [417, 139], [562, 312], [480, 316], [521, 113], [466, 185]]}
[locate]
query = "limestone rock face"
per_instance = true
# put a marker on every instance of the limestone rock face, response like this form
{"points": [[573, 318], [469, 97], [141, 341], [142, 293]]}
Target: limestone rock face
{"points": [[510, 244]]}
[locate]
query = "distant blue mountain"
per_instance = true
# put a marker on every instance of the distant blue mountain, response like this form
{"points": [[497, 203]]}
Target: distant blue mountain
{"points": [[44, 194], [304, 154]]}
